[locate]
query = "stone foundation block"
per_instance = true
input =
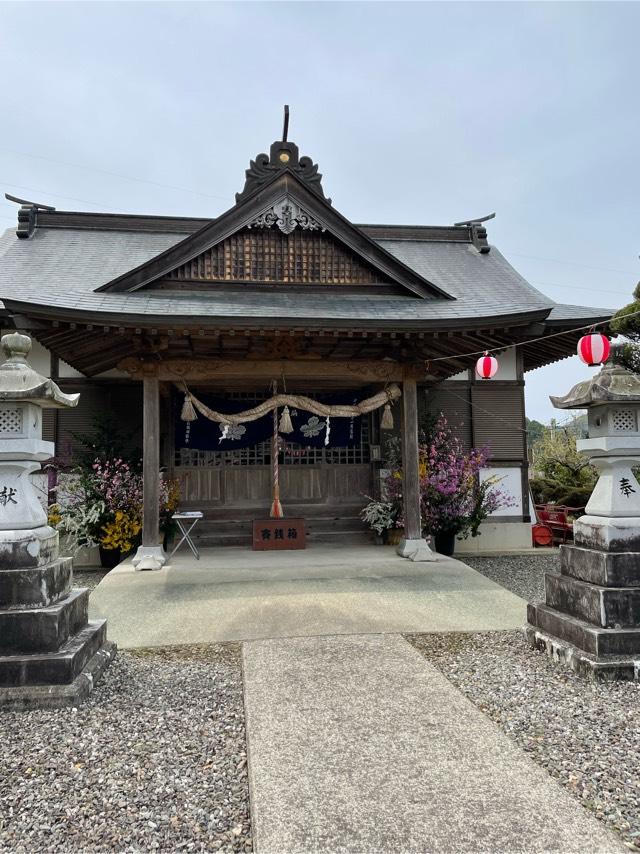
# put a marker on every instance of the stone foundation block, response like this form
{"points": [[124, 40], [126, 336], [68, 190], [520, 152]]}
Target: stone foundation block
{"points": [[608, 569], [58, 696], [54, 668], [594, 640], [609, 607], [43, 629], [607, 669], [37, 586], [32, 547], [621, 534]]}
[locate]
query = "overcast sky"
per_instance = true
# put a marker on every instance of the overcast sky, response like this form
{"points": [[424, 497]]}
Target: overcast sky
{"points": [[416, 113]]}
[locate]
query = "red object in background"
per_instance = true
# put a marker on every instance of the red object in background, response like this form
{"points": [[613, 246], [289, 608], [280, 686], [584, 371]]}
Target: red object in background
{"points": [[487, 367], [541, 535], [594, 349]]}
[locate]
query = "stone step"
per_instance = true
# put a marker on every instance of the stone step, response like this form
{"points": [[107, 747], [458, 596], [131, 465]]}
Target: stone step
{"points": [[35, 586], [609, 607], [43, 629], [609, 668], [57, 668], [294, 509], [586, 637], [608, 569], [242, 526]]}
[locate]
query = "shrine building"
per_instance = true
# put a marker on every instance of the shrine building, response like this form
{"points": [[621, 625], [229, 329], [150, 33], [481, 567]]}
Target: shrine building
{"points": [[132, 311]]}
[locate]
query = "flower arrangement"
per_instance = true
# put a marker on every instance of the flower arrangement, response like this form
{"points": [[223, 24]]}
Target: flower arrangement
{"points": [[101, 505], [454, 499], [379, 515]]}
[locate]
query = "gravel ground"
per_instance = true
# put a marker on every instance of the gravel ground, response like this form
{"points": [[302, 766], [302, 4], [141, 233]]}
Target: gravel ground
{"points": [[88, 577], [585, 734], [521, 574], [155, 760]]}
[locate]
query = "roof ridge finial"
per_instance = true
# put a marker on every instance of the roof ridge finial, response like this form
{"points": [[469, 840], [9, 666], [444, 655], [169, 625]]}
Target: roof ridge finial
{"points": [[283, 155]]}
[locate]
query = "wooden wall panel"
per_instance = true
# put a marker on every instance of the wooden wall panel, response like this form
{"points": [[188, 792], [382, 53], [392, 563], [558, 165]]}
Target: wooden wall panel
{"points": [[49, 425], [256, 255], [453, 401], [498, 416], [123, 401], [302, 483], [79, 420], [348, 483], [250, 484], [199, 485]]}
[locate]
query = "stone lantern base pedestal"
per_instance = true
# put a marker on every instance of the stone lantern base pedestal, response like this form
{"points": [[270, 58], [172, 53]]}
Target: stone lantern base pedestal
{"points": [[590, 619], [50, 654]]}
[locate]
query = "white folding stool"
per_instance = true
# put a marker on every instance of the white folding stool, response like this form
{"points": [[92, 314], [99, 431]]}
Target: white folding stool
{"points": [[182, 519]]}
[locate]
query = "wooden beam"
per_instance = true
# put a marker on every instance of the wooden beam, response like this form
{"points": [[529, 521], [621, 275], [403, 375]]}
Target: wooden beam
{"points": [[215, 369]]}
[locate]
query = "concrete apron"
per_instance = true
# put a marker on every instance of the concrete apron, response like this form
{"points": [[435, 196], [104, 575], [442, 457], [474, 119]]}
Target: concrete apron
{"points": [[237, 594], [358, 744]]}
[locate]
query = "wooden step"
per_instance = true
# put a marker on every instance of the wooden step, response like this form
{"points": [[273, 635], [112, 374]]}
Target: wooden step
{"points": [[361, 537]]}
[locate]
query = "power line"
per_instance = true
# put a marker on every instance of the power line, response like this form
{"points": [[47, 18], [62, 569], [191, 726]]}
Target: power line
{"points": [[226, 199], [574, 264], [56, 195], [525, 343], [114, 174], [578, 288]]}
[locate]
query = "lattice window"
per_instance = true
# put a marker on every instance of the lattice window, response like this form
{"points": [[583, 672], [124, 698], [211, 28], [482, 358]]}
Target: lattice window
{"points": [[299, 455], [624, 421], [255, 255], [10, 421]]}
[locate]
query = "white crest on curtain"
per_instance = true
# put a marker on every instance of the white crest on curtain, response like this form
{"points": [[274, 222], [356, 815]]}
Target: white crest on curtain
{"points": [[232, 432], [313, 427]]}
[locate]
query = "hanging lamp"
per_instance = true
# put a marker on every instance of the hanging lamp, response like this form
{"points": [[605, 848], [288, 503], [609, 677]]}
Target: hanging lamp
{"points": [[486, 366], [594, 348]]}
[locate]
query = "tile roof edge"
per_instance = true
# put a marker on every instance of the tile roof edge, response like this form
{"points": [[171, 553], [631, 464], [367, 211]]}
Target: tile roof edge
{"points": [[98, 220]]}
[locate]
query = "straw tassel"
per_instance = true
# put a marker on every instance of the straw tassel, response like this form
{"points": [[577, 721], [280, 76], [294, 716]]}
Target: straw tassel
{"points": [[188, 412], [285, 421], [386, 423]]}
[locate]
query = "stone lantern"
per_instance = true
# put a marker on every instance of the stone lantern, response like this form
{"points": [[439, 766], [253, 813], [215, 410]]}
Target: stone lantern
{"points": [[50, 655], [591, 615]]}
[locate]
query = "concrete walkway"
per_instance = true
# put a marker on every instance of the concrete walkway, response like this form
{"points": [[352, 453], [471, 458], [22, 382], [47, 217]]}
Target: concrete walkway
{"points": [[357, 744], [237, 594]]}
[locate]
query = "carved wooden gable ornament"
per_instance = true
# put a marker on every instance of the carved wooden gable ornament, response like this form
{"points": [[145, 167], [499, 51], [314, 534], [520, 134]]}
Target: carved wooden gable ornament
{"points": [[282, 230]]}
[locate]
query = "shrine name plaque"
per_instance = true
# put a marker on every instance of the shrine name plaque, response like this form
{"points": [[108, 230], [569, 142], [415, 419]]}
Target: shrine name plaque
{"points": [[278, 534]]}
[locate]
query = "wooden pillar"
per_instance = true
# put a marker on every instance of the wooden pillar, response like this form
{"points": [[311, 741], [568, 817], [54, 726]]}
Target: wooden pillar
{"points": [[151, 462], [413, 546], [410, 461]]}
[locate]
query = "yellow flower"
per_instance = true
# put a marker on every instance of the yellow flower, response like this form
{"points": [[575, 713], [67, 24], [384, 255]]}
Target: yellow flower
{"points": [[54, 516], [121, 533]]}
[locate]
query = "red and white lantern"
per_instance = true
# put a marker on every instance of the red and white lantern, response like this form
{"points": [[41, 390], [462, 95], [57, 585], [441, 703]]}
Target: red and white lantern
{"points": [[486, 367], [593, 349]]}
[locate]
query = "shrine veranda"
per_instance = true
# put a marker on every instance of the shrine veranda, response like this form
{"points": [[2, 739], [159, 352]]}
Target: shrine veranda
{"points": [[132, 310]]}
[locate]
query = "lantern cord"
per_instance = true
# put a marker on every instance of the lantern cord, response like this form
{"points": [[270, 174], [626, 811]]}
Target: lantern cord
{"points": [[528, 341]]}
